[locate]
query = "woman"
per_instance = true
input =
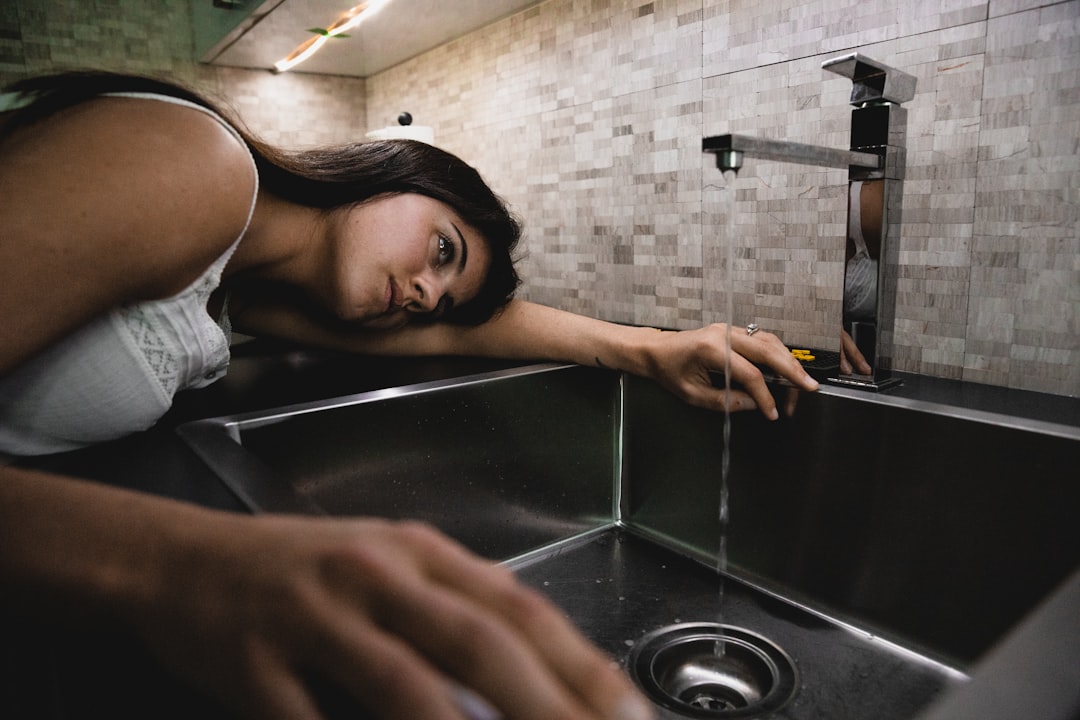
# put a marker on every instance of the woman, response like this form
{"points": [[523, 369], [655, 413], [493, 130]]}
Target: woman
{"points": [[137, 224]]}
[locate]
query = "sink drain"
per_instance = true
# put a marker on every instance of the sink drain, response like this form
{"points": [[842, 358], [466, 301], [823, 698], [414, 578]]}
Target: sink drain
{"points": [[707, 670]]}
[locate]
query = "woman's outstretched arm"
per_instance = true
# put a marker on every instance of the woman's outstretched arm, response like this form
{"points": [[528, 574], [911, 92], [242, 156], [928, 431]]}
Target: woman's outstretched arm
{"points": [[680, 361]]}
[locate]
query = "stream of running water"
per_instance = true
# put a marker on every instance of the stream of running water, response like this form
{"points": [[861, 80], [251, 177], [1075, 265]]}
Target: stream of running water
{"points": [[727, 207]]}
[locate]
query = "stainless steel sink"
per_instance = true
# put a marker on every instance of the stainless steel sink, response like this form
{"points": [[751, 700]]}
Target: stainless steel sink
{"points": [[938, 528], [505, 462], [887, 545]]}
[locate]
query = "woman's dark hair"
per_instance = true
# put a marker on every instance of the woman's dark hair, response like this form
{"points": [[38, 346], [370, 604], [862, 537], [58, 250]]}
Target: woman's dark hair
{"points": [[344, 175], [331, 177]]}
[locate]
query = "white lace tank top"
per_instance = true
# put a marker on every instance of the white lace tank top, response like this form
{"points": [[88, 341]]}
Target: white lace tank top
{"points": [[119, 373]]}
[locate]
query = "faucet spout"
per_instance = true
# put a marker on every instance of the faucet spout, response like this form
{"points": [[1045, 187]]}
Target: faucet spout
{"points": [[730, 149]]}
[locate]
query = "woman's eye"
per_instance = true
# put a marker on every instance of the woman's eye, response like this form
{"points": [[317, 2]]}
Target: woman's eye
{"points": [[447, 251]]}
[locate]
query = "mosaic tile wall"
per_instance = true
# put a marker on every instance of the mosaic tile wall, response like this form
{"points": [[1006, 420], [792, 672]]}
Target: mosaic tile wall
{"points": [[155, 37], [588, 116]]}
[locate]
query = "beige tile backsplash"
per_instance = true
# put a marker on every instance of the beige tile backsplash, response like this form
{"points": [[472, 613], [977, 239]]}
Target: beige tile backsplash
{"points": [[587, 115], [600, 151]]}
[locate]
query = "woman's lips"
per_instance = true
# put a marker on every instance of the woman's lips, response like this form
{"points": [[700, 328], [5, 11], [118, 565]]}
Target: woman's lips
{"points": [[393, 297]]}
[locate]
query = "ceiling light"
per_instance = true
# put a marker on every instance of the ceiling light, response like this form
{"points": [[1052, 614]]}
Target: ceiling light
{"points": [[346, 21]]}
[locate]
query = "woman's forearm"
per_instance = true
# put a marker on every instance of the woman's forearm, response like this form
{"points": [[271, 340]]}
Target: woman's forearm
{"points": [[523, 330], [526, 330], [72, 550]]}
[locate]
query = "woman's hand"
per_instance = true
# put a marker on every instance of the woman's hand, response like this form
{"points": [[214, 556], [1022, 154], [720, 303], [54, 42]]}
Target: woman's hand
{"points": [[682, 362], [394, 614], [273, 614]]}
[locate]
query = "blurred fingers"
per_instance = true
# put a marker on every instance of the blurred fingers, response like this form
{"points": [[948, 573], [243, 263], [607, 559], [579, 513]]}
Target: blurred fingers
{"points": [[594, 677], [506, 641], [393, 680], [481, 649], [273, 690]]}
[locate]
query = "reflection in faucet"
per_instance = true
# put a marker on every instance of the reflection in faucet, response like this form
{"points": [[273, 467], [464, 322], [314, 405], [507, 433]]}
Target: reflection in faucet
{"points": [[862, 260], [875, 165]]}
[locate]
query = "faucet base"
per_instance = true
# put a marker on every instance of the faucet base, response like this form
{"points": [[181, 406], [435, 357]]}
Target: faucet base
{"points": [[866, 382]]}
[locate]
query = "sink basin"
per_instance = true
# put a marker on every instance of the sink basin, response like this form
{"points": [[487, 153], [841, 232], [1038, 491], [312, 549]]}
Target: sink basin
{"points": [[940, 528], [937, 526], [900, 552], [619, 587], [504, 462]]}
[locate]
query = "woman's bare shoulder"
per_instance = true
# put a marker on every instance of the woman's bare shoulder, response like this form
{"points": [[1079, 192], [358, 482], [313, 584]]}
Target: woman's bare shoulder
{"points": [[131, 174], [113, 200]]}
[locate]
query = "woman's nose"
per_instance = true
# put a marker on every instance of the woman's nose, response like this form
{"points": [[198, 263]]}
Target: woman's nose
{"points": [[427, 292]]}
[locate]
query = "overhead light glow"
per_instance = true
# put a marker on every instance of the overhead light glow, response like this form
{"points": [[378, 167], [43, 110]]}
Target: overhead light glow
{"points": [[345, 22]]}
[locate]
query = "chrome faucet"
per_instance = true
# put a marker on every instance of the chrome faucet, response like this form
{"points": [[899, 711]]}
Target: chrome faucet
{"points": [[875, 165]]}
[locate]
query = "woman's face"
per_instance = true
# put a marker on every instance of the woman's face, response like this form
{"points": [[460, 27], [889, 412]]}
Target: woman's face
{"points": [[400, 256]]}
